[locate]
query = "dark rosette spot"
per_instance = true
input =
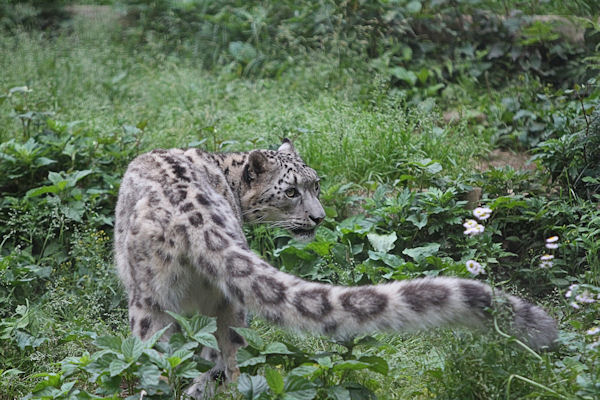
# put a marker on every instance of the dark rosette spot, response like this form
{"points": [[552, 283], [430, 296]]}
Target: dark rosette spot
{"points": [[269, 290], [196, 219], [215, 241], [175, 196], [274, 317], [236, 292], [364, 303], [527, 313], [187, 207], [153, 198], [202, 200], [330, 328], [476, 295], [207, 267], [164, 256], [217, 219], [239, 265], [313, 303], [179, 170], [181, 230], [144, 326], [420, 295]]}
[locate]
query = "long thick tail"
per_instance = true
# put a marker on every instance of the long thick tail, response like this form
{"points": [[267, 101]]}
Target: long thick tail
{"points": [[398, 306]]}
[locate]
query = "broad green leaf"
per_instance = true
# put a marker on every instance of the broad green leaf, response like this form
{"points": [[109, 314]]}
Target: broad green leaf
{"points": [[132, 348], [187, 370], [183, 322], [356, 224], [252, 386], [413, 7], [352, 365], [325, 362], [299, 388], [43, 161], [339, 393], [251, 337], [51, 380], [117, 366], [24, 340], [276, 348], [248, 362], [76, 176], [434, 168], [35, 192], [157, 358], [303, 370], [149, 375], [203, 324], [376, 364], [403, 74], [420, 253], [382, 243], [66, 387], [419, 220], [174, 361], [157, 335], [389, 259], [11, 372], [274, 380], [206, 339], [243, 52], [183, 354]]}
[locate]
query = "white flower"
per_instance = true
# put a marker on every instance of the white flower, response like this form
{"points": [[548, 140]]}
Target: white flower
{"points": [[547, 257], [593, 331], [546, 264], [473, 228], [551, 242], [475, 268], [585, 298], [552, 239], [575, 305], [570, 291], [482, 213], [470, 223], [595, 344]]}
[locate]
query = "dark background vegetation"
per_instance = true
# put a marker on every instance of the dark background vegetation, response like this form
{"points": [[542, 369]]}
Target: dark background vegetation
{"points": [[413, 112]]}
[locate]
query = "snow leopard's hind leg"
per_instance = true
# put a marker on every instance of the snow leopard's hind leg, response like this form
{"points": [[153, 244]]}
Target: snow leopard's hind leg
{"points": [[225, 370]]}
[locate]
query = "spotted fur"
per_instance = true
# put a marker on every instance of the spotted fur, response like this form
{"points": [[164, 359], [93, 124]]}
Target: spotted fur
{"points": [[179, 246]]}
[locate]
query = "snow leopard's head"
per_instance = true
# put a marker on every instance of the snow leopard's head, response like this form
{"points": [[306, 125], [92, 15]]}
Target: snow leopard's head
{"points": [[281, 190]]}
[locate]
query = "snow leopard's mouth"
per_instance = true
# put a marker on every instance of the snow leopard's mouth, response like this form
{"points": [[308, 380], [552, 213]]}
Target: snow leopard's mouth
{"points": [[303, 233]]}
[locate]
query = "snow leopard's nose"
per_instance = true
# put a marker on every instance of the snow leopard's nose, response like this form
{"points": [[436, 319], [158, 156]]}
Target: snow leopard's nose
{"points": [[317, 220]]}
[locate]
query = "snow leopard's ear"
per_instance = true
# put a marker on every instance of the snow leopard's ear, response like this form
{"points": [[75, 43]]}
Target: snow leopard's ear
{"points": [[256, 165], [287, 147]]}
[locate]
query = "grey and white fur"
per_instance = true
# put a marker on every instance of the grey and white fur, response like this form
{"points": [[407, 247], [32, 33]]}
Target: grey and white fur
{"points": [[179, 246]]}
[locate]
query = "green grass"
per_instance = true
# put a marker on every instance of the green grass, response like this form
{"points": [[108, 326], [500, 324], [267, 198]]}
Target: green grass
{"points": [[350, 125]]}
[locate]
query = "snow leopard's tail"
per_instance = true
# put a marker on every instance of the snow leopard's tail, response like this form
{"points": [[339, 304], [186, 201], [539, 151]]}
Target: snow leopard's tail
{"points": [[398, 306]]}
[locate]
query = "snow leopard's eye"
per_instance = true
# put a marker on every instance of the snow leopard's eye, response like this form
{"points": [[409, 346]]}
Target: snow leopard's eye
{"points": [[292, 192], [317, 187]]}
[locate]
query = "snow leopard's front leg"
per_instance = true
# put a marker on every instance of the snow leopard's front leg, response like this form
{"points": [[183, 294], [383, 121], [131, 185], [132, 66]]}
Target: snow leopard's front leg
{"points": [[225, 370]]}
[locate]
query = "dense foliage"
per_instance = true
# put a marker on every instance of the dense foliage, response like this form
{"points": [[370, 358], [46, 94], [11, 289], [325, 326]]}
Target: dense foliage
{"points": [[397, 104]]}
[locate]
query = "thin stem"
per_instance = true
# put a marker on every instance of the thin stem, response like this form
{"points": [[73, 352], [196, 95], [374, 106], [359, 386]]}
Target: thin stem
{"points": [[587, 128], [512, 338], [531, 382]]}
